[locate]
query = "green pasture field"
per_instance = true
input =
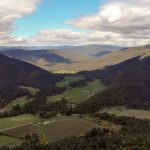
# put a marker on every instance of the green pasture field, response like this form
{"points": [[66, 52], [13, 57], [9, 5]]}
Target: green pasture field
{"points": [[19, 101], [24, 99], [79, 94], [6, 140], [120, 111], [10, 122], [32, 90]]}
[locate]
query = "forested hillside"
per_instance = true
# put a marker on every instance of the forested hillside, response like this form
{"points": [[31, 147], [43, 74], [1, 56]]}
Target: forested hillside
{"points": [[15, 73], [128, 85]]}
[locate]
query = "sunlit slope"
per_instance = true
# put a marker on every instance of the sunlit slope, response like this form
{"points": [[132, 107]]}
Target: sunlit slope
{"points": [[107, 60]]}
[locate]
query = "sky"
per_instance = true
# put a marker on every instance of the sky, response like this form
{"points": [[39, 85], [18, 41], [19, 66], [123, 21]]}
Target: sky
{"points": [[52, 14], [74, 22]]}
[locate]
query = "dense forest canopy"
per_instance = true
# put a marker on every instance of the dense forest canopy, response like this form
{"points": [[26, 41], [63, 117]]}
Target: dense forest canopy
{"points": [[127, 85], [15, 73]]}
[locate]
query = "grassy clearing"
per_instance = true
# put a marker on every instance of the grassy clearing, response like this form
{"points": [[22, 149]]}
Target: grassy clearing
{"points": [[10, 122], [68, 80], [24, 99], [65, 72], [32, 90], [103, 123], [6, 140], [141, 114], [19, 101], [79, 94]]}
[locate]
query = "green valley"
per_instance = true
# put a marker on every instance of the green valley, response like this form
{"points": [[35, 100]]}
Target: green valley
{"points": [[79, 94]]}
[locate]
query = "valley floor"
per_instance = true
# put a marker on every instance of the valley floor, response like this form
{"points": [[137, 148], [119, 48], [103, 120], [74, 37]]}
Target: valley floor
{"points": [[50, 130], [122, 111], [59, 127]]}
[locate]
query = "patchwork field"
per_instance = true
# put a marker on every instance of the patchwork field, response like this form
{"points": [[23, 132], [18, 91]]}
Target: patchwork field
{"points": [[51, 130], [141, 114], [79, 94]]}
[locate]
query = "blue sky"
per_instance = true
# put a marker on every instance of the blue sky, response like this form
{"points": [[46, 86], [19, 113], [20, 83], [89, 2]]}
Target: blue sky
{"points": [[74, 22], [51, 14]]}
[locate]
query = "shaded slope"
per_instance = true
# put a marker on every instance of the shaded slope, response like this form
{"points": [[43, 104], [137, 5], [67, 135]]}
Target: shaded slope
{"points": [[128, 85], [35, 55], [14, 73], [103, 53]]}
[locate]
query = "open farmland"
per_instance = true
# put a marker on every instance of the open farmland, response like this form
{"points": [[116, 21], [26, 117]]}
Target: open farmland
{"points": [[119, 111], [6, 140], [10, 122], [79, 94], [55, 129], [59, 128], [21, 131]]}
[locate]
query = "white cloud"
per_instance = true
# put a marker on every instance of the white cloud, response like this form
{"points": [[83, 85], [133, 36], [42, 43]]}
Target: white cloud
{"points": [[127, 18], [120, 22], [68, 37], [58, 37], [11, 10], [8, 40], [119, 16]]}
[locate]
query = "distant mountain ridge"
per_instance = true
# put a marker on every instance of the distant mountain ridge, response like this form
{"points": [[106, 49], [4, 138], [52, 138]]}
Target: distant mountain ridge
{"points": [[55, 58], [34, 55], [106, 60], [72, 60], [92, 49]]}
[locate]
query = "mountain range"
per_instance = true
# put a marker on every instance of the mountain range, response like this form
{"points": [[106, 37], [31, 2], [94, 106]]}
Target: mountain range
{"points": [[112, 58], [124, 72], [74, 59], [54, 58]]}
